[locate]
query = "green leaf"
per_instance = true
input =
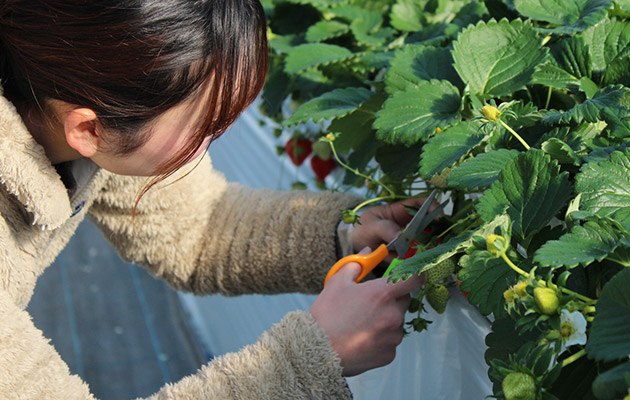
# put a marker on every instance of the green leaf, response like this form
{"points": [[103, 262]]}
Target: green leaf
{"points": [[413, 114], [590, 110], [373, 60], [427, 259], [608, 339], [398, 161], [593, 241], [609, 45], [424, 261], [497, 58], [324, 30], [572, 56], [531, 189], [406, 15], [505, 339], [417, 63], [612, 384], [552, 75], [368, 31], [333, 104], [618, 121], [485, 278], [564, 16], [355, 128], [605, 185], [575, 380], [561, 151], [482, 170], [314, 54], [448, 147]]}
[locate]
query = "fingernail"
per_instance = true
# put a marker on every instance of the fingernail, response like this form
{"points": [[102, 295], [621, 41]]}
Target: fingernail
{"points": [[365, 250]]}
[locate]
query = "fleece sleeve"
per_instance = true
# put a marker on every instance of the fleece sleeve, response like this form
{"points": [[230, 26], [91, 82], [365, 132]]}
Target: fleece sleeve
{"points": [[30, 368], [203, 235], [293, 360]]}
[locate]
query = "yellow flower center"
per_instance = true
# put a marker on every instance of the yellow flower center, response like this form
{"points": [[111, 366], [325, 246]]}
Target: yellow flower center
{"points": [[566, 330]]}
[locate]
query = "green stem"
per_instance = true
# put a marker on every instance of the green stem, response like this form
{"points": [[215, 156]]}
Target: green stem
{"points": [[516, 135], [546, 40], [591, 309], [514, 266], [365, 203], [548, 98], [527, 275], [620, 262], [461, 221], [356, 171], [573, 358]]}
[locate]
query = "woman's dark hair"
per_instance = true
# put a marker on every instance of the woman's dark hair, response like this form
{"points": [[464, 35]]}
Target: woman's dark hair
{"points": [[131, 60]]}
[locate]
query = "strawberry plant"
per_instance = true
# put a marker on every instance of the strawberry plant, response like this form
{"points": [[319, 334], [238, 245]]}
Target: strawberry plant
{"points": [[517, 111]]}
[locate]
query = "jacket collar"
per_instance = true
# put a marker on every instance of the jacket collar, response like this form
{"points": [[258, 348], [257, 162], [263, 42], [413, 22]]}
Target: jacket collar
{"points": [[27, 173]]}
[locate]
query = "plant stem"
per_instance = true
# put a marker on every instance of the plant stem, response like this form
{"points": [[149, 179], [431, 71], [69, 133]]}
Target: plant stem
{"points": [[513, 266], [548, 98], [461, 221], [573, 358], [375, 199], [620, 262], [356, 171], [516, 135], [527, 275]]}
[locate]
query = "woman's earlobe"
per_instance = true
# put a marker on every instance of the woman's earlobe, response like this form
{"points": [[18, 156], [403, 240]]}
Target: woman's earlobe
{"points": [[80, 130]]}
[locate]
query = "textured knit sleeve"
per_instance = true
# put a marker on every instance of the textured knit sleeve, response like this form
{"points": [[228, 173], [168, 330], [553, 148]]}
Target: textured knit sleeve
{"points": [[30, 368], [293, 360], [204, 235]]}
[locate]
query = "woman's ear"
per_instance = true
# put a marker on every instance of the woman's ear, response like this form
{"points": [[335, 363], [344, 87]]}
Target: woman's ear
{"points": [[80, 130]]}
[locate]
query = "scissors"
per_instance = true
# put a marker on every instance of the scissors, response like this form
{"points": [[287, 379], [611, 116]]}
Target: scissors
{"points": [[400, 243]]}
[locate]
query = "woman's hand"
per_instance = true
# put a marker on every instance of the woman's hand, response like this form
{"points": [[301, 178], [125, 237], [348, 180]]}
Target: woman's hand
{"points": [[364, 321], [381, 224]]}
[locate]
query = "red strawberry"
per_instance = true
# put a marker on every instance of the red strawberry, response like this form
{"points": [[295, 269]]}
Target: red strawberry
{"points": [[413, 249], [322, 167], [298, 149]]}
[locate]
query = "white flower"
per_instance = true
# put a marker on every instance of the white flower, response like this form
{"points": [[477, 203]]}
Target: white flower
{"points": [[573, 328]]}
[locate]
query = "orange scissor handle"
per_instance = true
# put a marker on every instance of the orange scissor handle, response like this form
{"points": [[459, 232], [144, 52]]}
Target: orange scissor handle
{"points": [[368, 262]]}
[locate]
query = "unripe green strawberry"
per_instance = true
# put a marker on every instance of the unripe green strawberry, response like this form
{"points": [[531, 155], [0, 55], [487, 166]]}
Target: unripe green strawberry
{"points": [[519, 386], [349, 216], [298, 186], [440, 271], [547, 300], [490, 112], [437, 296], [439, 180]]}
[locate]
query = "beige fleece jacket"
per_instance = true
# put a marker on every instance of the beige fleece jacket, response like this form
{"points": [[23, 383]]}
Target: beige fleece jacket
{"points": [[198, 233]]}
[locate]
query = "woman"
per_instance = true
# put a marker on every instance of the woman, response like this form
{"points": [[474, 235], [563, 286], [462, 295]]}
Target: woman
{"points": [[97, 96]]}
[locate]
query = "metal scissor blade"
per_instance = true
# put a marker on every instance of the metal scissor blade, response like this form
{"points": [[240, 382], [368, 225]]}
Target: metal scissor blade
{"points": [[419, 222]]}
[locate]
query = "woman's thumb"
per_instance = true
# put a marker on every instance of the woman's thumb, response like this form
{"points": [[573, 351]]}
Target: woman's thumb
{"points": [[352, 270]]}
